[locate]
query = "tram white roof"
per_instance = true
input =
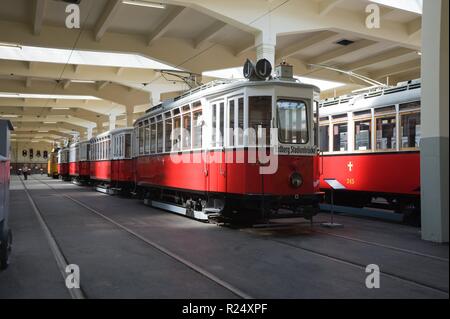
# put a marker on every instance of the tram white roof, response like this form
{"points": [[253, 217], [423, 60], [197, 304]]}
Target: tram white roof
{"points": [[112, 132], [403, 93], [215, 87]]}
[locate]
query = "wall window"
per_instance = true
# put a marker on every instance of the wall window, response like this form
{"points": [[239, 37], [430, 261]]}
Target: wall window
{"points": [[197, 127], [292, 122], [340, 137], [168, 132], [259, 115], [160, 141], [363, 135], [324, 138], [186, 131], [410, 130], [386, 133]]}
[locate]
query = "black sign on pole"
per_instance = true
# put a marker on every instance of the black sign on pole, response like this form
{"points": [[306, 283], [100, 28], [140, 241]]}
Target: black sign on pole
{"points": [[334, 184]]}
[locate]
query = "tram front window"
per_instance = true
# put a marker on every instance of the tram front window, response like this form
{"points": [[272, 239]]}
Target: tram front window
{"points": [[292, 122], [260, 115]]}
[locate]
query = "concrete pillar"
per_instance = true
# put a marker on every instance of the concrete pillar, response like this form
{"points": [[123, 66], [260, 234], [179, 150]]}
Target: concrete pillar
{"points": [[265, 43], [89, 132], [434, 121], [129, 115], [112, 122], [99, 127]]}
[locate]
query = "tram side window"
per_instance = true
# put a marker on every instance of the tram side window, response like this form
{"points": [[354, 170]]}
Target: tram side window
{"points": [[159, 132], [148, 140], [386, 133], [340, 141], [141, 140], [186, 131], [221, 136], [240, 132], [213, 124], [230, 128], [176, 133], [127, 146], [292, 122], [363, 135], [168, 132], [197, 129], [259, 115], [410, 129], [153, 139], [324, 138]]}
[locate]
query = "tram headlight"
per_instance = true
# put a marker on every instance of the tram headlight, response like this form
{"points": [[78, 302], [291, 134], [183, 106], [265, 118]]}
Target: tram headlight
{"points": [[296, 180]]}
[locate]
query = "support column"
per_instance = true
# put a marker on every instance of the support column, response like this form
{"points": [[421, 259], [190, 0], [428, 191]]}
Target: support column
{"points": [[265, 43], [112, 122], [434, 121], [130, 112], [99, 127], [89, 133]]}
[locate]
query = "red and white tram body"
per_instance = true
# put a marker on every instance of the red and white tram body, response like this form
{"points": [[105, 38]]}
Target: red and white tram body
{"points": [[198, 156], [371, 145], [79, 164], [111, 158], [63, 163]]}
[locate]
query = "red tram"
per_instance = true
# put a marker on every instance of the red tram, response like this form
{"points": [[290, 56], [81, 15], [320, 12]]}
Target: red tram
{"points": [[205, 154], [63, 164], [111, 162], [371, 145], [79, 164]]}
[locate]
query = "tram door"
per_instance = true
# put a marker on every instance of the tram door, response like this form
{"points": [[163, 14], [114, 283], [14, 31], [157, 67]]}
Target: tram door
{"points": [[215, 157]]}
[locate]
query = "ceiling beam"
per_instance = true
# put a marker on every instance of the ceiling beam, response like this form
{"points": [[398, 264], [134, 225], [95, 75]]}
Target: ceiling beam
{"points": [[39, 7], [209, 33], [105, 20], [397, 69], [374, 59], [414, 27], [325, 6], [305, 43], [116, 93], [165, 24], [336, 53]]}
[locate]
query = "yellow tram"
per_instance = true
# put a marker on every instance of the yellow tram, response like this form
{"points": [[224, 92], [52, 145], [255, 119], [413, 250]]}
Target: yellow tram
{"points": [[52, 167]]}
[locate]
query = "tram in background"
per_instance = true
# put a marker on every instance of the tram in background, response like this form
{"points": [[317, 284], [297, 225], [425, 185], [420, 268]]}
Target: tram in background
{"points": [[52, 164], [111, 161], [79, 164], [63, 164], [370, 143]]}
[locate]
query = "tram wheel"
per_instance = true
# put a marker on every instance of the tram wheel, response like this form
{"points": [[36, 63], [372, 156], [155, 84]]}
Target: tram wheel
{"points": [[5, 250]]}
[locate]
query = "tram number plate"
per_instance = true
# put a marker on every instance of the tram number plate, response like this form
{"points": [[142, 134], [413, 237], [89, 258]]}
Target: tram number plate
{"points": [[350, 181]]}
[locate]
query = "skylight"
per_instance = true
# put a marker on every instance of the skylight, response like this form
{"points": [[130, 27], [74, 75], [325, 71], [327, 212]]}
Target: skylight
{"points": [[47, 96], [406, 5], [236, 73], [78, 57]]}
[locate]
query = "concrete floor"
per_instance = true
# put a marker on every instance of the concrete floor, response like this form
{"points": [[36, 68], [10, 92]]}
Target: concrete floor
{"points": [[294, 262]]}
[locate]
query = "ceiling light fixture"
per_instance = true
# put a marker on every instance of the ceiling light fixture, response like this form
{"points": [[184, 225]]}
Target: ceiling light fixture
{"points": [[9, 115], [82, 81], [60, 108], [143, 3]]}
